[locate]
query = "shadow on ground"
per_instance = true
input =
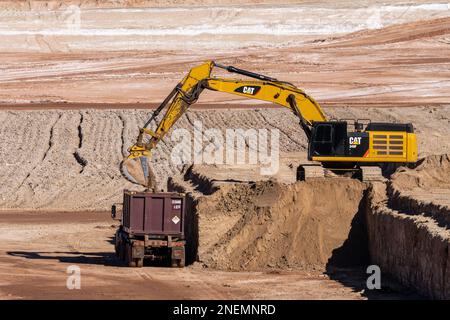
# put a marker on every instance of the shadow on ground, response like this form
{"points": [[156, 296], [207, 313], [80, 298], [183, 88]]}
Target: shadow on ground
{"points": [[349, 262], [94, 258]]}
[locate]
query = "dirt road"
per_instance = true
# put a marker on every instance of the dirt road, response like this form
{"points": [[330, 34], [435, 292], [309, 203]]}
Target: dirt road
{"points": [[40, 246]]}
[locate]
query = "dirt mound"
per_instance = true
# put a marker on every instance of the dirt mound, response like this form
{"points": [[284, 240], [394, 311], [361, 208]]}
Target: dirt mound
{"points": [[424, 189], [307, 225], [432, 171]]}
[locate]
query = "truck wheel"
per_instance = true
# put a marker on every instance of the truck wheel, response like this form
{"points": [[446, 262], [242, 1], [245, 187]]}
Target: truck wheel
{"points": [[129, 261], [120, 249], [180, 263], [139, 262], [116, 247], [177, 263], [122, 252], [178, 257]]}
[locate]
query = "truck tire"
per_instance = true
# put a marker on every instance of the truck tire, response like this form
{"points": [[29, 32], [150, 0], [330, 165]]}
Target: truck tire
{"points": [[129, 261], [139, 262], [180, 263], [178, 258], [177, 263], [122, 251], [118, 246]]}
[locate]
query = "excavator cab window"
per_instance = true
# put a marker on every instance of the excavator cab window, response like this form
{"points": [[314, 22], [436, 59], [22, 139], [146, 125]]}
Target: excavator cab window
{"points": [[324, 133], [329, 139], [340, 138], [323, 139]]}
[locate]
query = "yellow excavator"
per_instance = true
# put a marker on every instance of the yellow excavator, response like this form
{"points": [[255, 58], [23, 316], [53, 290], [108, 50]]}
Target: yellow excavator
{"points": [[332, 144]]}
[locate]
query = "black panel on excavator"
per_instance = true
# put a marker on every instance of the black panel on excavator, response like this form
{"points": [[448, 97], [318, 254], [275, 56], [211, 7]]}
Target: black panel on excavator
{"points": [[379, 126]]}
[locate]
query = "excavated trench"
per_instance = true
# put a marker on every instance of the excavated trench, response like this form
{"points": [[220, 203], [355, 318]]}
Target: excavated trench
{"points": [[316, 224], [271, 225], [326, 224]]}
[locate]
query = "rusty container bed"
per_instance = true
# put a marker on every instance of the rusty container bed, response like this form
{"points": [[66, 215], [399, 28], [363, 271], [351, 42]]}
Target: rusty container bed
{"points": [[152, 227], [153, 213]]}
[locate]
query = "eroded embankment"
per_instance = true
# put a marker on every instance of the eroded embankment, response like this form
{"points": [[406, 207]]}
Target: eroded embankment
{"points": [[69, 160], [411, 246], [409, 226]]}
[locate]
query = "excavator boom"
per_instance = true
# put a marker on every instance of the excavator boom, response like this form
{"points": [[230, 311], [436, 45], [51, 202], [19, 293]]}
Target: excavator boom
{"points": [[329, 141], [136, 167]]}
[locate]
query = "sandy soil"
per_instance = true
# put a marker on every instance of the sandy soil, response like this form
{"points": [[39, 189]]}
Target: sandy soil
{"points": [[403, 225], [40, 246], [409, 238], [342, 53], [69, 160], [300, 229], [74, 83], [428, 182]]}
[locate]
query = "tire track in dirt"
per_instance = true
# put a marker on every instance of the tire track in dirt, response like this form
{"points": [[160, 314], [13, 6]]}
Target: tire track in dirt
{"points": [[101, 148], [50, 140], [122, 133], [49, 146]]}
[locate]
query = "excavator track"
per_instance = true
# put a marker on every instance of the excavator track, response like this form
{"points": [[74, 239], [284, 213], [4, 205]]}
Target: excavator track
{"points": [[310, 171], [363, 173], [371, 174]]}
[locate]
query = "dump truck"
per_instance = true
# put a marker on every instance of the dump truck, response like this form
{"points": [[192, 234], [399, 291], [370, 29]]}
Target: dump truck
{"points": [[152, 227]]}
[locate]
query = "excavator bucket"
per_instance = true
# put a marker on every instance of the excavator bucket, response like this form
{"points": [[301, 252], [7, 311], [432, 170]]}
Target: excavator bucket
{"points": [[137, 170]]}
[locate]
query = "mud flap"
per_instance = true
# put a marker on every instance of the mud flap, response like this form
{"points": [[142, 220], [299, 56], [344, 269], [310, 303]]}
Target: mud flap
{"points": [[178, 256]]}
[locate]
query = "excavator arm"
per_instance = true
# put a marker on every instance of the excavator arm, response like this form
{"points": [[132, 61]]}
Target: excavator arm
{"points": [[136, 167]]}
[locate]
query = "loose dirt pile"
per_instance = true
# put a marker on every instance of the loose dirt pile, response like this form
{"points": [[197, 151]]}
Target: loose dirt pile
{"points": [[423, 189], [430, 172], [307, 225]]}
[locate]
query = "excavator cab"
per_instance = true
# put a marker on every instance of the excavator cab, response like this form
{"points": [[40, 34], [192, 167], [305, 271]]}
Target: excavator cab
{"points": [[328, 138], [332, 142]]}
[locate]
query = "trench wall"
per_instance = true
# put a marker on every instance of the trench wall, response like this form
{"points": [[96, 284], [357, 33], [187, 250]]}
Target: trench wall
{"points": [[411, 246]]}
